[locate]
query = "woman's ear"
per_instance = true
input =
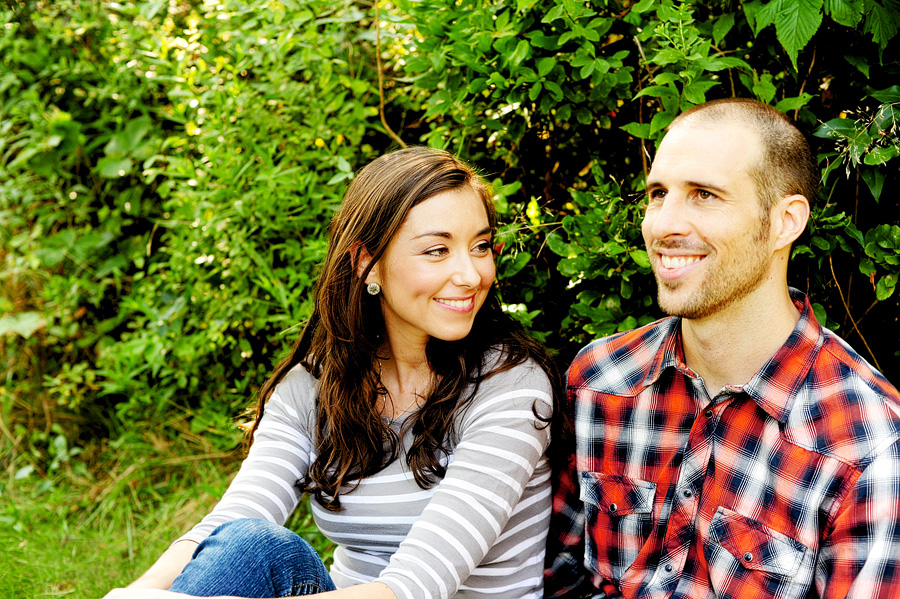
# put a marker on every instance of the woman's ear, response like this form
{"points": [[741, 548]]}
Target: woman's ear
{"points": [[361, 258]]}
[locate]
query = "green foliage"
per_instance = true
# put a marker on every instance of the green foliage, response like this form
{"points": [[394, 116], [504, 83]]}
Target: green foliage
{"points": [[168, 169], [164, 213]]}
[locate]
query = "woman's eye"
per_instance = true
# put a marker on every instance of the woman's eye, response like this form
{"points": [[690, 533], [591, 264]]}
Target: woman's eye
{"points": [[436, 251], [483, 248]]}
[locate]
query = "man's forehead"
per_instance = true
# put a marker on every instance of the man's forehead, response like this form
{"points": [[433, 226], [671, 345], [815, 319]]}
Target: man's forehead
{"points": [[705, 150]]}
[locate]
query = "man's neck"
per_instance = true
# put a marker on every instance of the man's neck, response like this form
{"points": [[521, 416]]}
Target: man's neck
{"points": [[729, 347]]}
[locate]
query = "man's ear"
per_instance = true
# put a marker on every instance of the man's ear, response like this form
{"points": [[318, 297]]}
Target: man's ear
{"points": [[789, 219], [361, 258]]}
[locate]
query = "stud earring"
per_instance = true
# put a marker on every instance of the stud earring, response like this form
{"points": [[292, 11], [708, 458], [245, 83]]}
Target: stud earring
{"points": [[373, 288]]}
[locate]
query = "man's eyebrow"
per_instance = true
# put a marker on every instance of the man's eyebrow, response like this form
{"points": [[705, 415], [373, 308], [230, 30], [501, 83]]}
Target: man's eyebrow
{"points": [[651, 185], [709, 186], [447, 235]]}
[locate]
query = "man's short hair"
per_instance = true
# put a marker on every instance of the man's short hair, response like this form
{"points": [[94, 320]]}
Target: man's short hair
{"points": [[787, 166]]}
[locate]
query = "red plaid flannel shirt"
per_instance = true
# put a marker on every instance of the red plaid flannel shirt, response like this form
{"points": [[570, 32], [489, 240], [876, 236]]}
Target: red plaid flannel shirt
{"points": [[787, 487]]}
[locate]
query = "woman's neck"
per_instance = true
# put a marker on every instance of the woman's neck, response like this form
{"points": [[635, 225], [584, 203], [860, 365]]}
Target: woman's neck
{"points": [[408, 383]]}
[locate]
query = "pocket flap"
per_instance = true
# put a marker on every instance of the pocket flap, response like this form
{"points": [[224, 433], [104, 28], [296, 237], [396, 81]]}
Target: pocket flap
{"points": [[754, 545], [617, 495]]}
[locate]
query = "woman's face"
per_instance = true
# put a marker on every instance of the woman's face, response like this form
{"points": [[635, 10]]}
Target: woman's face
{"points": [[437, 270]]}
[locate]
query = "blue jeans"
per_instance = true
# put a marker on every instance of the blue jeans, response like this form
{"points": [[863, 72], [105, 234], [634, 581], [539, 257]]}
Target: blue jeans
{"points": [[253, 558]]}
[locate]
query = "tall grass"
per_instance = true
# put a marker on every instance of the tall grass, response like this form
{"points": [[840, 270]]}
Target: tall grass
{"points": [[79, 532]]}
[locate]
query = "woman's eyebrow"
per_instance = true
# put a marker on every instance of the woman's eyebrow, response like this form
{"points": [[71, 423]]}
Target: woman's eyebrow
{"points": [[448, 235]]}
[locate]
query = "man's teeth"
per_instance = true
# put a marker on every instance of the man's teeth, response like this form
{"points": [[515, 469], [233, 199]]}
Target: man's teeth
{"points": [[677, 261]]}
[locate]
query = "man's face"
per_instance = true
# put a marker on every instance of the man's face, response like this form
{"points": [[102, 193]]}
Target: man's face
{"points": [[707, 238]]}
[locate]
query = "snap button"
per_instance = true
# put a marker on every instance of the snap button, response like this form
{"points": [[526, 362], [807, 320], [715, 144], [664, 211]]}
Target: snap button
{"points": [[748, 557], [668, 568], [612, 508], [688, 493], [708, 413]]}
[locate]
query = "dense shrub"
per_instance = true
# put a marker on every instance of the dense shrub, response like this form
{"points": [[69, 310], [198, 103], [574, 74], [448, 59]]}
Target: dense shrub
{"points": [[167, 170]]}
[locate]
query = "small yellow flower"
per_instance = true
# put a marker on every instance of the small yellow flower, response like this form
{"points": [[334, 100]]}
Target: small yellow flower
{"points": [[843, 115], [320, 143], [340, 139]]}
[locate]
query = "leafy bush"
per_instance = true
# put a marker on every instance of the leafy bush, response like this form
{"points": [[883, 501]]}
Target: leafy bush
{"points": [[167, 171]]}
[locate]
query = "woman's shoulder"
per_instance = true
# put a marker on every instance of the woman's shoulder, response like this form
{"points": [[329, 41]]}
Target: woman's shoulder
{"points": [[504, 383], [496, 368], [297, 389]]}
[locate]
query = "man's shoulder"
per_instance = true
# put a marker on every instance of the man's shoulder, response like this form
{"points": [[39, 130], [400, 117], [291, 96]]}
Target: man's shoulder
{"points": [[845, 407], [620, 363]]}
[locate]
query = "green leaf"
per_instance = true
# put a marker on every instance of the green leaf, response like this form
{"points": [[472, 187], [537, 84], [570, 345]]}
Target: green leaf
{"points": [[23, 323], [788, 104], [891, 94], [584, 116], [112, 168], [545, 65], [558, 246], [523, 48], [643, 6], [883, 21], [657, 91], [861, 64], [877, 155], [845, 12], [760, 15], [866, 267], [796, 21], [764, 89], [874, 178], [640, 258], [660, 121], [640, 130], [885, 287], [836, 129], [665, 78], [695, 93], [819, 311], [722, 26], [554, 88]]}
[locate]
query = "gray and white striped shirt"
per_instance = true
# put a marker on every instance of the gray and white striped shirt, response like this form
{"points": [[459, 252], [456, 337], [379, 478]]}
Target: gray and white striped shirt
{"points": [[479, 532]]}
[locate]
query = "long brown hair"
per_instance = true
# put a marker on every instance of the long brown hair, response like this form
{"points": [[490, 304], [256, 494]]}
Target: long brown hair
{"points": [[340, 342]]}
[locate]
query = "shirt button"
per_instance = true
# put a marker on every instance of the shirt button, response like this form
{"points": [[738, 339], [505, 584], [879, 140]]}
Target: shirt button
{"points": [[748, 557], [687, 493], [668, 568], [612, 508]]}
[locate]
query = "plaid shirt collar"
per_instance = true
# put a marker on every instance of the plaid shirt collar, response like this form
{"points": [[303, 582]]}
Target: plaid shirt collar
{"points": [[774, 386]]}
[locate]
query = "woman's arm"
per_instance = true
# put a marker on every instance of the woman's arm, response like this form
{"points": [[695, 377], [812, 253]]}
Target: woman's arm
{"points": [[162, 573], [265, 486]]}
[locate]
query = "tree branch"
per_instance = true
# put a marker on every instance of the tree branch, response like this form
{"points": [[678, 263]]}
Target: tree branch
{"points": [[387, 127]]}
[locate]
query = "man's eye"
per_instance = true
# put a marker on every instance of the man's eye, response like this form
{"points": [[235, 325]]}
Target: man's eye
{"points": [[705, 195], [657, 194]]}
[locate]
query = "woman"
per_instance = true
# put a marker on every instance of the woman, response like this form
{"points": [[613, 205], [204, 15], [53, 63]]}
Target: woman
{"points": [[411, 409]]}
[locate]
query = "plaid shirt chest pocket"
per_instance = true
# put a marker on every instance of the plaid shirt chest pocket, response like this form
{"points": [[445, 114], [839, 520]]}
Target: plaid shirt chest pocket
{"points": [[747, 557], [618, 520]]}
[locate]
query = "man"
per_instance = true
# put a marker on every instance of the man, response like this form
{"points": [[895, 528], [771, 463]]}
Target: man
{"points": [[736, 449]]}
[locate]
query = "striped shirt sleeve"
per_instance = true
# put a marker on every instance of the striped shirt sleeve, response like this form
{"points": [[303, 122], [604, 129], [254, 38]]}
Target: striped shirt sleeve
{"points": [[265, 486]]}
